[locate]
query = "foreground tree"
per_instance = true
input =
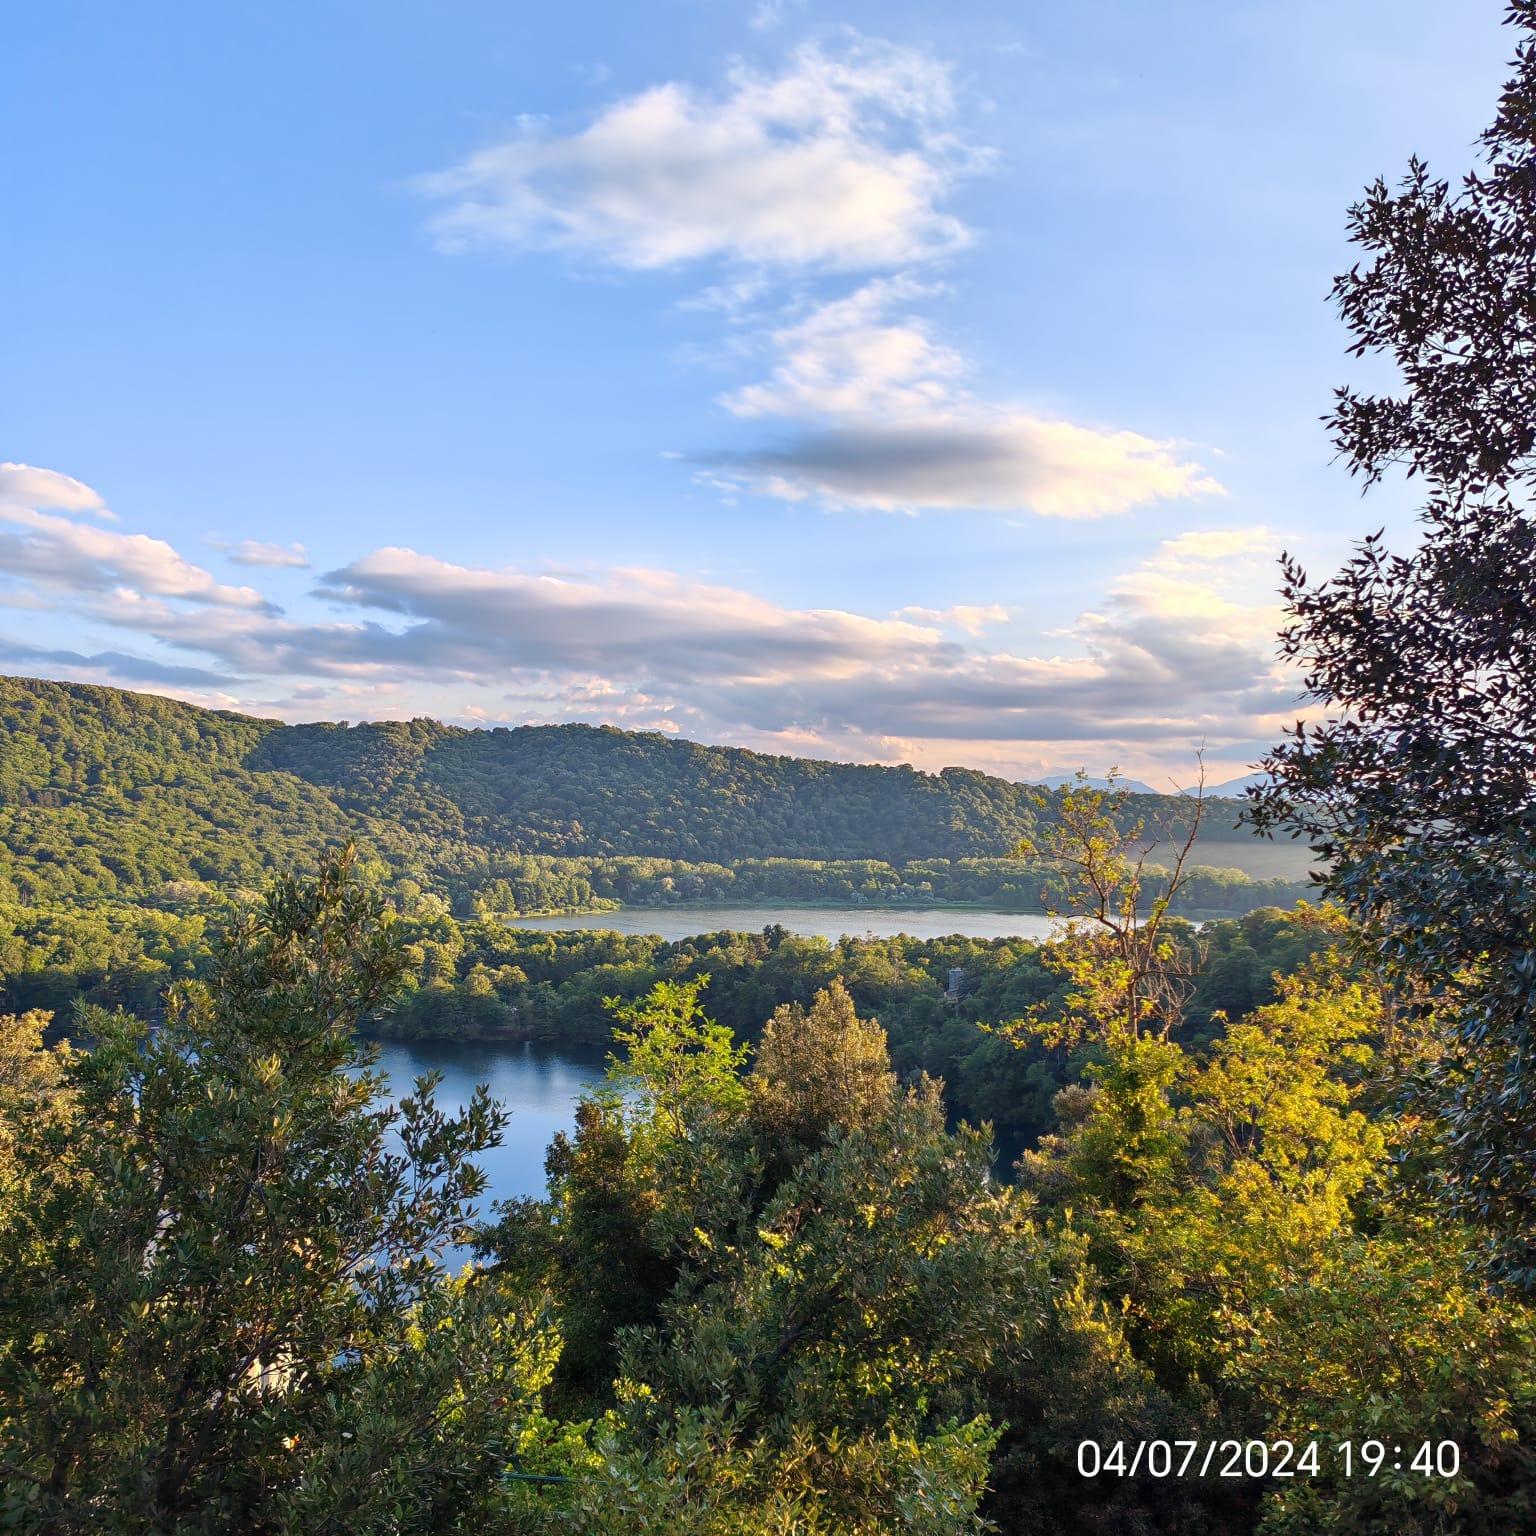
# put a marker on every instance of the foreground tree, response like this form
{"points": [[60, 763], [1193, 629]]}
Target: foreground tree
{"points": [[221, 1310], [1419, 783], [817, 1070], [812, 1369], [1270, 1252], [793, 1279], [1131, 966]]}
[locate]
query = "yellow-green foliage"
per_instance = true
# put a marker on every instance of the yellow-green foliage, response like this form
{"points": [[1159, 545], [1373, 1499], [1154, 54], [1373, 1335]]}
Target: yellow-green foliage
{"points": [[819, 1069]]}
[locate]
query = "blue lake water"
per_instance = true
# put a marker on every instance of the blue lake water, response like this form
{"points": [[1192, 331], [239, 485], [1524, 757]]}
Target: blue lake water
{"points": [[829, 922], [538, 1085]]}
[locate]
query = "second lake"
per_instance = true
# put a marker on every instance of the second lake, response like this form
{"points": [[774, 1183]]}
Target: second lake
{"points": [[829, 922]]}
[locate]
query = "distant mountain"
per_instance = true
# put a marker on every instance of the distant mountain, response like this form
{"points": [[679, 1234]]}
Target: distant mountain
{"points": [[1232, 787], [106, 793], [110, 795], [1061, 780], [1225, 789]]}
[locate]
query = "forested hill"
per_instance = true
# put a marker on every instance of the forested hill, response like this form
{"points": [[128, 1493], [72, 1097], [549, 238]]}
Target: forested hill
{"points": [[108, 793], [595, 790]]}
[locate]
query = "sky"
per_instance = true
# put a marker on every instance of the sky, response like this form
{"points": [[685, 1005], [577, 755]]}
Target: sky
{"points": [[881, 382]]}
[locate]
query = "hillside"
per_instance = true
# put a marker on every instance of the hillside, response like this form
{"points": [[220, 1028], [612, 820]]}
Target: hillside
{"points": [[110, 794]]}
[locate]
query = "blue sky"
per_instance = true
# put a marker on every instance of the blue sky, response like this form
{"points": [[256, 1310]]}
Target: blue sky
{"points": [[890, 382]]}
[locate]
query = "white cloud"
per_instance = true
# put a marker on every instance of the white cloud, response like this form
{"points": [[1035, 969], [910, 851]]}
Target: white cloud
{"points": [[840, 161], [1225, 550], [74, 556], [1201, 586], [622, 623], [271, 556], [887, 426], [972, 618], [846, 358], [767, 14], [986, 460], [1200, 612], [28, 486]]}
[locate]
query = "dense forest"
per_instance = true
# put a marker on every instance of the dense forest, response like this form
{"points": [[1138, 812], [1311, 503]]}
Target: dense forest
{"points": [[107, 795], [1266, 1262], [486, 980], [774, 1287]]}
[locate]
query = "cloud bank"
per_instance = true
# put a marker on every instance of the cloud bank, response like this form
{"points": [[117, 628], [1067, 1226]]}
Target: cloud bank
{"points": [[995, 461], [837, 162], [887, 425], [841, 162], [1178, 651]]}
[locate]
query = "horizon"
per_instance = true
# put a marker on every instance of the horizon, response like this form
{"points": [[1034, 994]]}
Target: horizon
{"points": [[823, 380], [1121, 781]]}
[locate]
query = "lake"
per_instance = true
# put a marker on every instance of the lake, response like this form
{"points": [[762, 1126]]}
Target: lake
{"points": [[829, 922], [540, 1086]]}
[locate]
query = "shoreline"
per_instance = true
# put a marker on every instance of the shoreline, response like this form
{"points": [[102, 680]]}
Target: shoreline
{"points": [[1195, 915], [800, 904]]}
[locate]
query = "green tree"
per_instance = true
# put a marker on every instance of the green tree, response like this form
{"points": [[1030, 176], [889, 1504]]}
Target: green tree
{"points": [[621, 1186], [679, 1066], [1129, 966], [32, 1093], [780, 1338], [1420, 782], [222, 1308], [817, 1070], [1273, 1253], [814, 1367]]}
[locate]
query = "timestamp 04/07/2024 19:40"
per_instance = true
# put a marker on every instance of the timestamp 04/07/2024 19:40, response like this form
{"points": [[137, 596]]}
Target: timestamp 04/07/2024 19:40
{"points": [[1267, 1458]]}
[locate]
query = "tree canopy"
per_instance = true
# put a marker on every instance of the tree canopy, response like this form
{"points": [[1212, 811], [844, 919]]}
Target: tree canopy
{"points": [[1419, 778]]}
